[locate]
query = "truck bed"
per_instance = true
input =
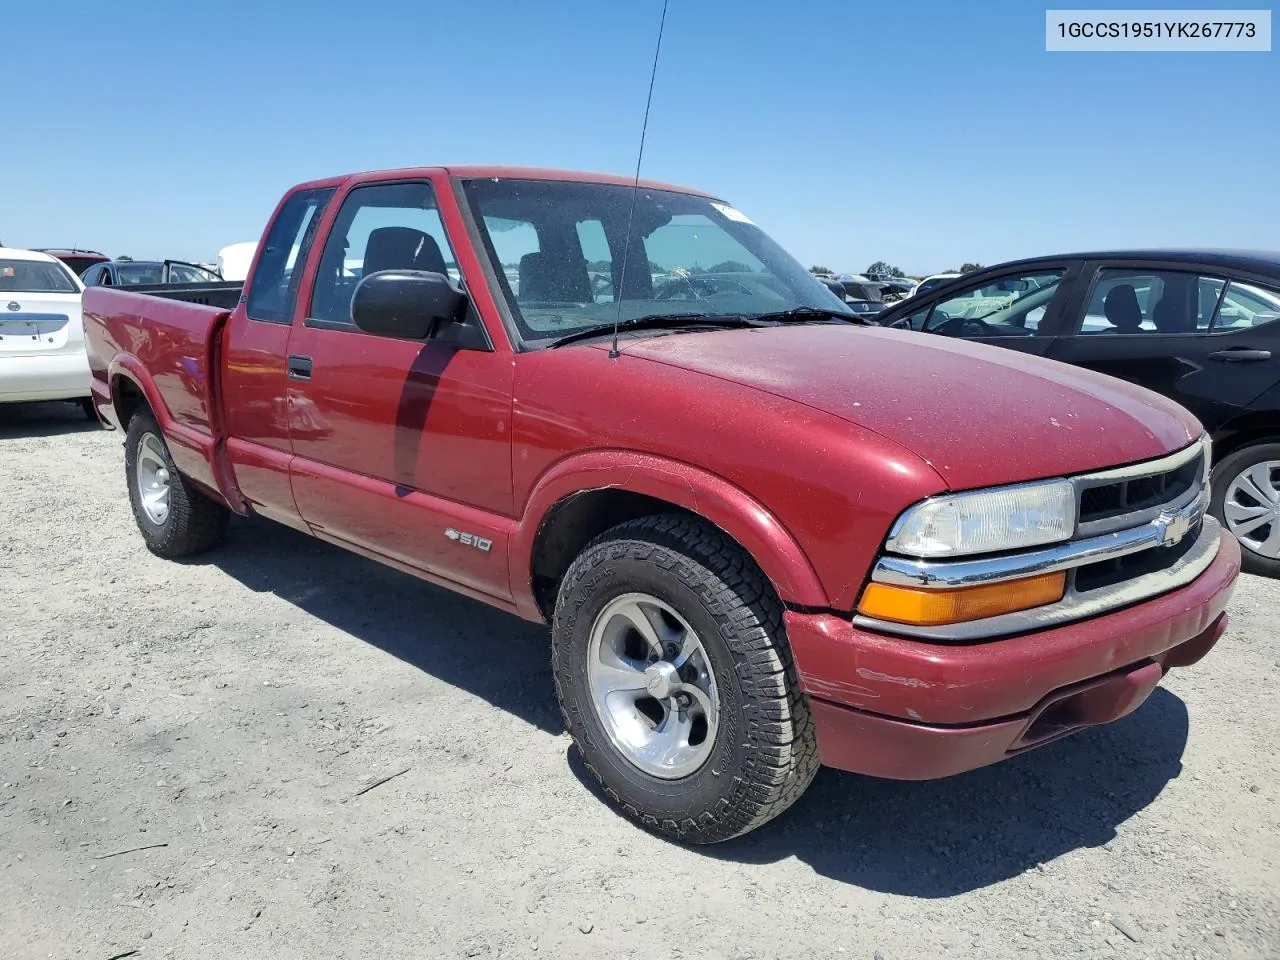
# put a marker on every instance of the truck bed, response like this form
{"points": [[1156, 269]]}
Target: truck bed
{"points": [[224, 295], [164, 339]]}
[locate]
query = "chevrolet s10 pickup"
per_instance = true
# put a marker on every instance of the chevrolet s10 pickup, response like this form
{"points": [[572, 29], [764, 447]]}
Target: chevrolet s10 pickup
{"points": [[765, 535]]}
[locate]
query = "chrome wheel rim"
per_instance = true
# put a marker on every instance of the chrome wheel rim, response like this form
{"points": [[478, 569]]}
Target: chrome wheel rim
{"points": [[1251, 508], [652, 686], [153, 479]]}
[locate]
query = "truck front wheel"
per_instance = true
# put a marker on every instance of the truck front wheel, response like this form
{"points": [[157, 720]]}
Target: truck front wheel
{"points": [[676, 681], [175, 517]]}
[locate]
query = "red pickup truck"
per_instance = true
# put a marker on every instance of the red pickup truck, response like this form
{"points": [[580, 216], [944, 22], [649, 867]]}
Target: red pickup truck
{"points": [[765, 536]]}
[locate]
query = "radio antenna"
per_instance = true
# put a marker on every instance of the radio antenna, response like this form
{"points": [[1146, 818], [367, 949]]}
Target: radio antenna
{"points": [[635, 187]]}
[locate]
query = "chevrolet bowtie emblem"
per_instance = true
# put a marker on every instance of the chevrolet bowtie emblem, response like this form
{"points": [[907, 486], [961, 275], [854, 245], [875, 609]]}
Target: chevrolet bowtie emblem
{"points": [[1172, 528]]}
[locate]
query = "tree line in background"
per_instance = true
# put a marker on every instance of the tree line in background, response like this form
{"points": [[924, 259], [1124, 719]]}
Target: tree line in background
{"points": [[881, 269]]}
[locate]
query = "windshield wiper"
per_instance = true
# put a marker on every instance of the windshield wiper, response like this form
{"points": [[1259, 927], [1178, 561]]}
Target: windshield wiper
{"points": [[659, 321], [809, 314]]}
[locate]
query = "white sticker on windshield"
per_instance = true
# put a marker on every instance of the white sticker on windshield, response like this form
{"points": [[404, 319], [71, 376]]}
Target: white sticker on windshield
{"points": [[731, 213]]}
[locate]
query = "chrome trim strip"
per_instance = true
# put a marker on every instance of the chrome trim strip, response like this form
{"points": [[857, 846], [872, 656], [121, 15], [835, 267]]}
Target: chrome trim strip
{"points": [[1147, 468], [1073, 606], [941, 574]]}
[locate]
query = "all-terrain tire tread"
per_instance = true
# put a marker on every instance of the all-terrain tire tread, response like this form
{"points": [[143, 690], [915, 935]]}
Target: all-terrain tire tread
{"points": [[784, 757]]}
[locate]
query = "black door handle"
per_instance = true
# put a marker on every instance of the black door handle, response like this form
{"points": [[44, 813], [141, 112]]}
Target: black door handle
{"points": [[1240, 355], [299, 368]]}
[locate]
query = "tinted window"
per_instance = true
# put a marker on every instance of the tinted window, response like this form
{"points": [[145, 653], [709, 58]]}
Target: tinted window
{"points": [[79, 264], [181, 273], [512, 239], [1136, 301], [595, 250], [1246, 305], [136, 273], [34, 276], [393, 226], [273, 289], [1010, 306]]}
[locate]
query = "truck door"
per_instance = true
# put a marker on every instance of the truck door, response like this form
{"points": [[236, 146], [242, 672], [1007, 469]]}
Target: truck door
{"points": [[253, 359], [401, 447]]}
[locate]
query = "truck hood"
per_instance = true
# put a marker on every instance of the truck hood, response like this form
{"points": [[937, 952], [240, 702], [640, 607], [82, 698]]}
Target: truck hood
{"points": [[979, 415]]}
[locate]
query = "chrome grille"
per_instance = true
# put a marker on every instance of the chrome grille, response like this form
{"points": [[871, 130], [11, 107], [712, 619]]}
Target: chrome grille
{"points": [[1108, 500], [1127, 496]]}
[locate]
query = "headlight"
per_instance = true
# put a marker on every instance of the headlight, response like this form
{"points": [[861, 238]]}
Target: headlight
{"points": [[987, 521]]}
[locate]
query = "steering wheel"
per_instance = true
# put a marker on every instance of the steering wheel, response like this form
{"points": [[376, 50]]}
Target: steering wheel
{"points": [[964, 327], [675, 289], [700, 288]]}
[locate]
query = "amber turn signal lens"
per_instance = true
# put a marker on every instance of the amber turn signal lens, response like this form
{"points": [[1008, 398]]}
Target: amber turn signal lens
{"points": [[931, 608]]}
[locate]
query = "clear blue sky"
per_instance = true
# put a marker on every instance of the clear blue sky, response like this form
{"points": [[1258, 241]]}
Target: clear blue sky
{"points": [[923, 133]]}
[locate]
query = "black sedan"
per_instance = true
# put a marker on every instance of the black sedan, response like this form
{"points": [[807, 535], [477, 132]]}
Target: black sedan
{"points": [[1199, 326], [120, 273]]}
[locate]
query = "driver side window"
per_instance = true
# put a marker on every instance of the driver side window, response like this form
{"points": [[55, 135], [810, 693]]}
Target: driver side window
{"points": [[1009, 306]]}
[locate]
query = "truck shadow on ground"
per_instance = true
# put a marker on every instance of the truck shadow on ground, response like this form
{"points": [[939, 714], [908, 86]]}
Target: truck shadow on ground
{"points": [[944, 837], [52, 419], [463, 642], [931, 839]]}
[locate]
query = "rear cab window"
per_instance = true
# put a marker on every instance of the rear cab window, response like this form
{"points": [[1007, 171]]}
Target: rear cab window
{"points": [[273, 288]]}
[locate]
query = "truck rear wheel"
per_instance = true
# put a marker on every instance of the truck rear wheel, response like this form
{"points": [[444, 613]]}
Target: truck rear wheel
{"points": [[676, 681], [176, 518]]}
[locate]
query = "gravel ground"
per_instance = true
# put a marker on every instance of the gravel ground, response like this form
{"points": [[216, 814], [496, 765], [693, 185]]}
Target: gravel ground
{"points": [[227, 714]]}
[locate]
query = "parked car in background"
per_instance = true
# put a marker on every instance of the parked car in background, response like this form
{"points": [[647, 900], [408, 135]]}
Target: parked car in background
{"points": [[933, 282], [863, 295], [78, 260], [124, 273], [748, 567], [1199, 326], [42, 354], [897, 288]]}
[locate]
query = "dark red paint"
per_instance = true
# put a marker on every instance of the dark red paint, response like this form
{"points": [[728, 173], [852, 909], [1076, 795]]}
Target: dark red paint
{"points": [[803, 443]]}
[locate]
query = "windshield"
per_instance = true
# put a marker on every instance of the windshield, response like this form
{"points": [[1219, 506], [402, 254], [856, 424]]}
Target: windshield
{"points": [[35, 276], [557, 248], [131, 273]]}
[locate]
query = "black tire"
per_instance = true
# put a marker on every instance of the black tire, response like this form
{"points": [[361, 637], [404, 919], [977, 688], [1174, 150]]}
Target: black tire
{"points": [[1225, 471], [765, 754], [194, 522]]}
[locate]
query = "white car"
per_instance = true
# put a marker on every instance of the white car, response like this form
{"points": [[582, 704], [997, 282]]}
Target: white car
{"points": [[234, 260], [42, 353], [933, 283]]}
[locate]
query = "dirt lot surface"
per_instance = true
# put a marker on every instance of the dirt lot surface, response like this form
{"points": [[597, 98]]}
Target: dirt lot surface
{"points": [[227, 713]]}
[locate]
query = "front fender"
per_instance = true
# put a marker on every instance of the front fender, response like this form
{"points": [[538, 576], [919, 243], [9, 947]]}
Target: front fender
{"points": [[713, 498]]}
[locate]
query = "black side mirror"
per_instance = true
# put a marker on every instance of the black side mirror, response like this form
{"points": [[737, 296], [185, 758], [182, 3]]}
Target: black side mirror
{"points": [[413, 304]]}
